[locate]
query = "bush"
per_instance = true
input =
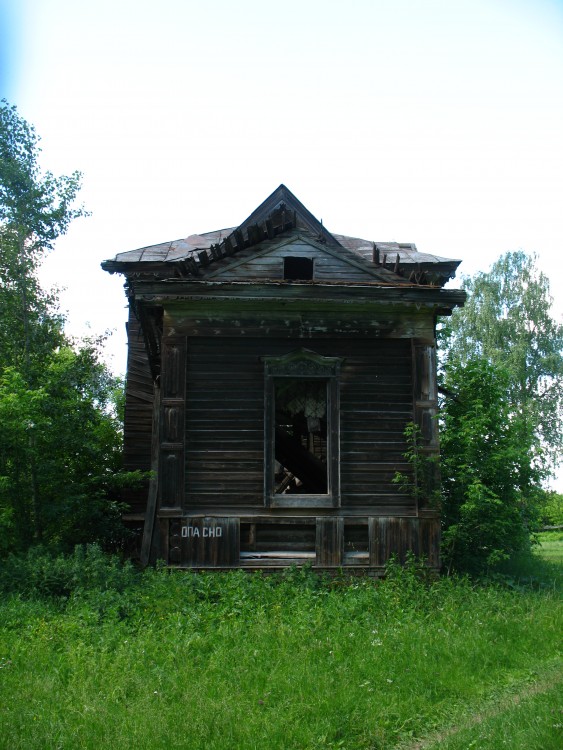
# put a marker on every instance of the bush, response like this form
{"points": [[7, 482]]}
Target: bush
{"points": [[41, 573], [489, 481], [552, 511]]}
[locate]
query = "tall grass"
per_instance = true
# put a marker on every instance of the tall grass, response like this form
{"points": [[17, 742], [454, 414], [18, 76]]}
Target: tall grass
{"points": [[550, 546], [175, 659]]}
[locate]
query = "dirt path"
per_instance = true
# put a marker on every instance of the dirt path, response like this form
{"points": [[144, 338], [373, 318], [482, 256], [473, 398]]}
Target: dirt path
{"points": [[497, 707]]}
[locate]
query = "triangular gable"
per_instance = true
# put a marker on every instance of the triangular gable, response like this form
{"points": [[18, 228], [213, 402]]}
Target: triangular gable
{"points": [[266, 261], [283, 200], [279, 213]]}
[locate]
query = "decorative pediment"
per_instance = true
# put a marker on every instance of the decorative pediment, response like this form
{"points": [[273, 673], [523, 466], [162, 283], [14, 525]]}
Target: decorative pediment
{"points": [[268, 262], [282, 203], [302, 363], [281, 212]]}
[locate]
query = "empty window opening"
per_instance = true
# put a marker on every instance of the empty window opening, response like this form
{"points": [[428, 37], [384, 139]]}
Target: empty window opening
{"points": [[298, 269], [356, 545], [301, 429], [300, 436]]}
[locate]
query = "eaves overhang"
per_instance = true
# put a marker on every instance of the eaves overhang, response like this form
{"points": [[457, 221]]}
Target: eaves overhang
{"points": [[172, 292]]}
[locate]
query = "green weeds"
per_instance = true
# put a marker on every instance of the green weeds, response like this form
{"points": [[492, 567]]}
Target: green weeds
{"points": [[170, 659]]}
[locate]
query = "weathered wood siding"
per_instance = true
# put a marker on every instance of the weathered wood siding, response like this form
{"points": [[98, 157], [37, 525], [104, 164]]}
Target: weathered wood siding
{"points": [[172, 413], [138, 413], [269, 264], [224, 423], [399, 536], [324, 542], [201, 542], [375, 407], [224, 439]]}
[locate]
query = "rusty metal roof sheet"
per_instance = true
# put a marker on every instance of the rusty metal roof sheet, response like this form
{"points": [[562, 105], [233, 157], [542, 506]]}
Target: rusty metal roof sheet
{"points": [[406, 250], [279, 217], [189, 246]]}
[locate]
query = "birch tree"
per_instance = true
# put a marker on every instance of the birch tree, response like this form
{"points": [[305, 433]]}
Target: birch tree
{"points": [[507, 320]]}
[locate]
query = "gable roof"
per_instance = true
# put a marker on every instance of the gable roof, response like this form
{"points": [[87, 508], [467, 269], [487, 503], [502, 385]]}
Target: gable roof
{"points": [[339, 257], [280, 216], [280, 202]]}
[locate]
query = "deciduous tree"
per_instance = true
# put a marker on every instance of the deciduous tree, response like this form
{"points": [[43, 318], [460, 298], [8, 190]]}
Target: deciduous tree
{"points": [[502, 371], [507, 320], [60, 433], [486, 511], [35, 209]]}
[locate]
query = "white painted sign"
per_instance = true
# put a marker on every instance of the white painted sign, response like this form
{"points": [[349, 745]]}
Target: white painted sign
{"points": [[207, 532]]}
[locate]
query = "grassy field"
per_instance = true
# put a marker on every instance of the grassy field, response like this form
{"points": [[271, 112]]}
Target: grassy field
{"points": [[93, 655], [550, 546]]}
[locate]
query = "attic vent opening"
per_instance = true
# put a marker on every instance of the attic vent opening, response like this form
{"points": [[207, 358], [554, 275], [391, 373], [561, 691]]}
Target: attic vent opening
{"points": [[297, 269]]}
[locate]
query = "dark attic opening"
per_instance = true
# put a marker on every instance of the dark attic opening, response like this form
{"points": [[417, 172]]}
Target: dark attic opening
{"points": [[297, 269]]}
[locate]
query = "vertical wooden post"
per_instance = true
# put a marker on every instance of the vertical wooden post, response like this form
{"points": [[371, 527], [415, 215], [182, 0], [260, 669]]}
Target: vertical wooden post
{"points": [[171, 467]]}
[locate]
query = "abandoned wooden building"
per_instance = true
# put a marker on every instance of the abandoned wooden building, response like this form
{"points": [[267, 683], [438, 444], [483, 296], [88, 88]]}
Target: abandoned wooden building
{"points": [[273, 371]]}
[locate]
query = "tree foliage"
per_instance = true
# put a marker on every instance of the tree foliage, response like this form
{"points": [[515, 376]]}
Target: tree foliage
{"points": [[61, 452], [507, 320], [60, 433], [502, 371], [487, 512], [35, 209]]}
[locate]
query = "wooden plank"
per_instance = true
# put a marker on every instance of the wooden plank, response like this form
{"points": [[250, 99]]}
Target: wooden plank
{"points": [[160, 546], [330, 541], [390, 537], [279, 538], [152, 500], [138, 414], [429, 540], [278, 555], [210, 542], [210, 501]]}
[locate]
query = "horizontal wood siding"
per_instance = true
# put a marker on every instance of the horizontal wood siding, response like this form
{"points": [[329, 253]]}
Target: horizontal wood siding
{"points": [[225, 420], [375, 407], [278, 537], [138, 414], [327, 266]]}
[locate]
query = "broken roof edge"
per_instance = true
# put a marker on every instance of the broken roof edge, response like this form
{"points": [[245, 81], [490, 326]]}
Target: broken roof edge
{"points": [[167, 252], [281, 194], [281, 212]]}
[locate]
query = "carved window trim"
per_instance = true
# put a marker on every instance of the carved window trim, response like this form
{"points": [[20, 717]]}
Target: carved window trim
{"points": [[306, 364]]}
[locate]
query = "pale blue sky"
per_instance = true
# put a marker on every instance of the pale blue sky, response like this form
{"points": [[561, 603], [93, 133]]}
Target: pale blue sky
{"points": [[434, 122]]}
